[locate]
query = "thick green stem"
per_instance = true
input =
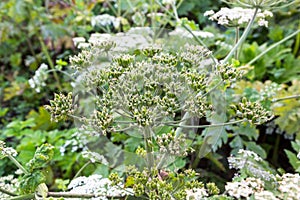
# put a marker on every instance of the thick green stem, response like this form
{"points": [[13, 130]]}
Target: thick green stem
{"points": [[272, 46], [148, 146], [297, 43], [50, 62], [74, 195], [63, 195], [23, 197], [275, 150], [7, 192], [237, 37], [243, 37]]}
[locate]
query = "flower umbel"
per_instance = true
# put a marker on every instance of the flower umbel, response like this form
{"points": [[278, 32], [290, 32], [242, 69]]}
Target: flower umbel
{"points": [[238, 17], [61, 107]]}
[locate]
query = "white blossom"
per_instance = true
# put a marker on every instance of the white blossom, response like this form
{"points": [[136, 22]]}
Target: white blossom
{"points": [[8, 183], [98, 185], [196, 194], [238, 16], [78, 40], [244, 188], [265, 195], [9, 151], [39, 78], [289, 186], [105, 20], [168, 2]]}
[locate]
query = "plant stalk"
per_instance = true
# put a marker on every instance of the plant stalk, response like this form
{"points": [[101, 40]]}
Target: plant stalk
{"points": [[243, 37], [237, 37], [286, 98], [81, 169], [18, 164], [50, 62], [148, 147], [7, 192]]}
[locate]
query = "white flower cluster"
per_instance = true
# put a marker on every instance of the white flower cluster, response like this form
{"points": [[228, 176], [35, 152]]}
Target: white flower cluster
{"points": [[246, 160], [105, 20], [240, 161], [196, 194], [289, 186], [80, 43], [168, 2], [9, 151], [6, 151], [265, 195], [244, 188], [78, 141], [39, 78], [96, 184], [238, 16], [8, 183]]}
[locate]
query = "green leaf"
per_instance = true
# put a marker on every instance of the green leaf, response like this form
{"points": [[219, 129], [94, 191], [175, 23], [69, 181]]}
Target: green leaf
{"points": [[294, 161], [17, 10], [30, 182], [41, 158], [252, 146], [213, 136]]}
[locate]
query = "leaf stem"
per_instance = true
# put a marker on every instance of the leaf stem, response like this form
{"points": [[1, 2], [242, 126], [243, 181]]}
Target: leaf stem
{"points": [[297, 96], [17, 164], [81, 169], [237, 37], [50, 62]]}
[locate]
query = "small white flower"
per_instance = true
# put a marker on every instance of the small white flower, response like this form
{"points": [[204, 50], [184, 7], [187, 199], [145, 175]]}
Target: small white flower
{"points": [[105, 20], [168, 2], [98, 185], [83, 45], [9, 151], [209, 12], [196, 194], [78, 40], [39, 78]]}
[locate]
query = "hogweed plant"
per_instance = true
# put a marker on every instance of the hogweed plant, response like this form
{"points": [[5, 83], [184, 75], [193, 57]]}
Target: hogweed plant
{"points": [[147, 89], [156, 93]]}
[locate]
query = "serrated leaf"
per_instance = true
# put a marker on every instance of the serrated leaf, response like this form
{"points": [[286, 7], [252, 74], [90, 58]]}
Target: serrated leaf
{"points": [[294, 161], [252, 146]]}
